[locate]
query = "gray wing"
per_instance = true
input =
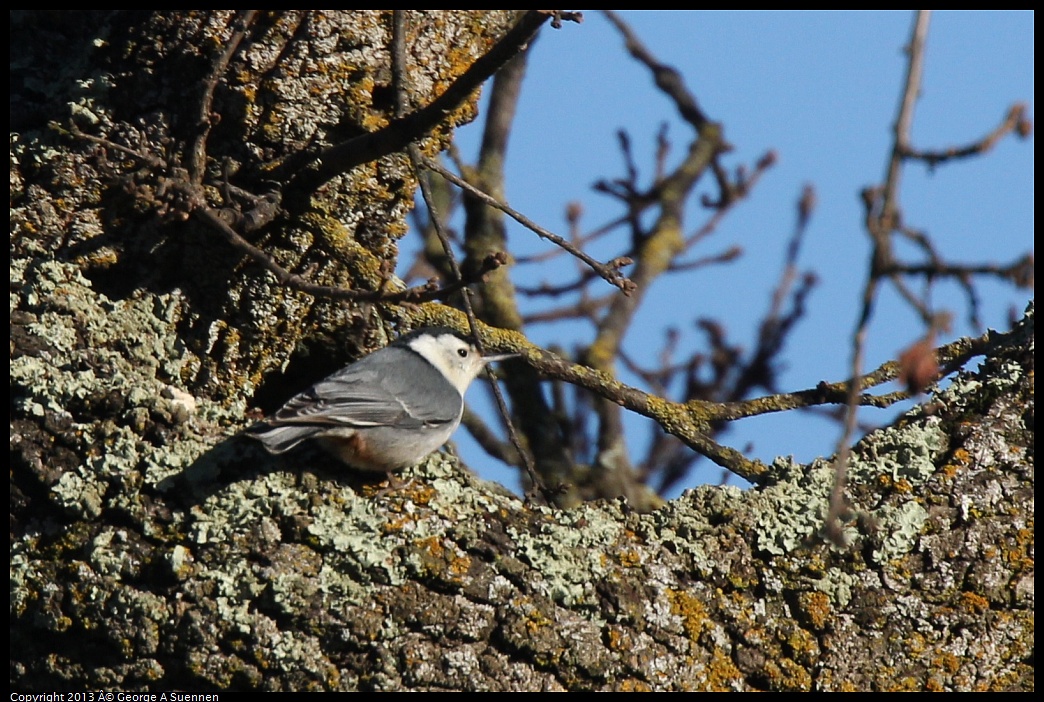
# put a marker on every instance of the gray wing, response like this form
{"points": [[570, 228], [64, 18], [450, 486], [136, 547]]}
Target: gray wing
{"points": [[365, 395]]}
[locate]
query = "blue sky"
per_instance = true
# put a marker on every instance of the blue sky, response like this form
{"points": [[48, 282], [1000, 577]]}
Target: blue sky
{"points": [[821, 90]]}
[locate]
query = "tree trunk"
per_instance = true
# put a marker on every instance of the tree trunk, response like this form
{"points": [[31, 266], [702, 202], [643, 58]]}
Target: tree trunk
{"points": [[152, 550]]}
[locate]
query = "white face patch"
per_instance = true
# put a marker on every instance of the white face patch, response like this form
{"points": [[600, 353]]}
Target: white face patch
{"points": [[455, 358]]}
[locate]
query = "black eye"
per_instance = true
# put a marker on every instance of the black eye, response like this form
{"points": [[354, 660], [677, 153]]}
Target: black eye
{"points": [[463, 353]]}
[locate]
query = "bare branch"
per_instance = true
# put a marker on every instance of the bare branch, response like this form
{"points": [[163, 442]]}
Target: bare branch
{"points": [[1018, 272], [424, 293], [667, 78], [879, 225], [189, 200], [1015, 120], [904, 121], [341, 158], [398, 59], [585, 308], [485, 437], [731, 195], [952, 356], [609, 271], [197, 156]]}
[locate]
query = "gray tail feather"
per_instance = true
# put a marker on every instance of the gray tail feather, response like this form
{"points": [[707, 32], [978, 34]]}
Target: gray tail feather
{"points": [[279, 439]]}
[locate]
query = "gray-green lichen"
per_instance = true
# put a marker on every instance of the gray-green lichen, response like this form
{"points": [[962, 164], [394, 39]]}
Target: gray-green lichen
{"points": [[150, 550], [792, 510], [273, 548], [570, 553]]}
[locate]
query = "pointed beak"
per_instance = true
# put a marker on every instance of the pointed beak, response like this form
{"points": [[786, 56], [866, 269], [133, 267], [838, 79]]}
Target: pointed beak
{"points": [[499, 357]]}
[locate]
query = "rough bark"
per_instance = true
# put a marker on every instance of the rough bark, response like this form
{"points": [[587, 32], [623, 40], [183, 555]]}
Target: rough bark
{"points": [[152, 550]]}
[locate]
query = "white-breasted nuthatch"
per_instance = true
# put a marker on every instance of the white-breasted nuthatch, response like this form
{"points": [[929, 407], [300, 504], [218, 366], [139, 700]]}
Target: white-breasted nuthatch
{"points": [[387, 410]]}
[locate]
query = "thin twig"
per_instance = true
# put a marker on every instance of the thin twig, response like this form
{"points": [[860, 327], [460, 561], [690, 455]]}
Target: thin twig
{"points": [[486, 438], [667, 78], [585, 308], [879, 226], [415, 295], [776, 325], [194, 203], [904, 121], [1019, 272], [1014, 121], [579, 242], [147, 159], [655, 247], [727, 256], [527, 463], [737, 194], [547, 290], [408, 128], [952, 355], [197, 156], [609, 271], [399, 72]]}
